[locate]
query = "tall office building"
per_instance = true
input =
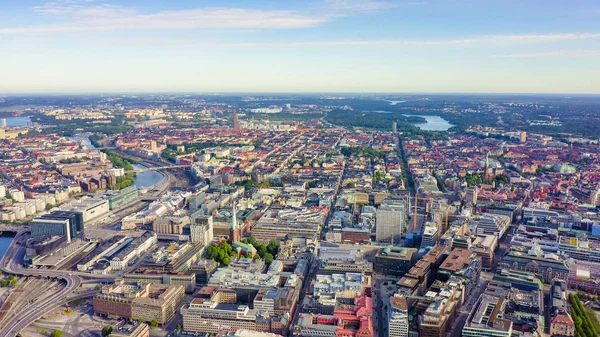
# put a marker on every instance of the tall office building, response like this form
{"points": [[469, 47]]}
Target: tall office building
{"points": [[430, 235], [523, 137], [471, 195], [395, 127], [75, 220], [44, 228], [236, 121], [201, 228], [391, 218], [3, 122]]}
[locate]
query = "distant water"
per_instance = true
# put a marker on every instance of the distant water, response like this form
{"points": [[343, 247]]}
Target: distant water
{"points": [[4, 243], [148, 178], [434, 123], [17, 121], [85, 140], [396, 102]]}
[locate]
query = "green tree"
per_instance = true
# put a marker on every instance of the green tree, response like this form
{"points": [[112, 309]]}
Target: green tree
{"points": [[179, 327], [268, 258], [56, 333], [106, 331], [154, 324]]}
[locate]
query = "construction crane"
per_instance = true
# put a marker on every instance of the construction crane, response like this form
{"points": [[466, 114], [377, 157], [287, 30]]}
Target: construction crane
{"points": [[442, 230]]}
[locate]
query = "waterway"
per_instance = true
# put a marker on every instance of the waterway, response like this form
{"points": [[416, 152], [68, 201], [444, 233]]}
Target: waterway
{"points": [[434, 123], [396, 102], [142, 179], [147, 178], [17, 120], [4, 243]]}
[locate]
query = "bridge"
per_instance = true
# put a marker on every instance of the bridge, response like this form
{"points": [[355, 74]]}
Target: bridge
{"points": [[158, 168], [15, 229]]}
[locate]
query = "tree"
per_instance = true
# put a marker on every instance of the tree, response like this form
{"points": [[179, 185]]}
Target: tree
{"points": [[268, 258], [179, 327], [56, 333], [273, 247], [106, 331], [154, 324], [262, 250], [226, 261]]}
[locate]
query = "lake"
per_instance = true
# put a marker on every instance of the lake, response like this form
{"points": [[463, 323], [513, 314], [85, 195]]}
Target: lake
{"points": [[396, 102], [17, 120], [148, 178], [434, 123]]}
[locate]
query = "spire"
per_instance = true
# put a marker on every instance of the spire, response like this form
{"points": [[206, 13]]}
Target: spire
{"points": [[234, 224]]}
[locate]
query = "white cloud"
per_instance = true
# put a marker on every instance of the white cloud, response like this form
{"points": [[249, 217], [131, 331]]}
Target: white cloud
{"points": [[90, 15], [82, 9], [102, 18], [512, 39], [559, 53], [362, 6]]}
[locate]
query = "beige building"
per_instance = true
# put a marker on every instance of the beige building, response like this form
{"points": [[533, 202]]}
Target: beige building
{"points": [[139, 300], [562, 325], [131, 329]]}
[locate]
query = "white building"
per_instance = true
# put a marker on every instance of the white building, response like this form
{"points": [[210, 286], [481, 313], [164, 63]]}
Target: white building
{"points": [[201, 228], [397, 317], [389, 223], [430, 235], [17, 195]]}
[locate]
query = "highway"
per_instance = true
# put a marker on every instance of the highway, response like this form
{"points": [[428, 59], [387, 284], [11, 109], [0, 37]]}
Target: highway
{"points": [[12, 263]]}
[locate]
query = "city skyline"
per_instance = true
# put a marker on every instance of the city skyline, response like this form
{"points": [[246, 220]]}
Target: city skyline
{"points": [[81, 46]]}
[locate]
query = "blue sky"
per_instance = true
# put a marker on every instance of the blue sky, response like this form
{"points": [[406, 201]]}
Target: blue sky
{"points": [[525, 46]]}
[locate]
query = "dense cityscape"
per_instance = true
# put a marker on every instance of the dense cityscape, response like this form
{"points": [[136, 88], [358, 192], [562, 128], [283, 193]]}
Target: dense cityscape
{"points": [[299, 215]]}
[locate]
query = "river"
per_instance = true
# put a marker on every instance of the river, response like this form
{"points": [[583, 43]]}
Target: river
{"points": [[148, 178], [17, 120], [4, 243], [142, 179], [434, 123]]}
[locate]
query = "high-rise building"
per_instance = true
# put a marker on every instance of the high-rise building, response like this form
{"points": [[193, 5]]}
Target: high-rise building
{"points": [[236, 121], [44, 228], [201, 228], [391, 218], [471, 195], [75, 220], [398, 317], [523, 137], [430, 235], [395, 127], [3, 122]]}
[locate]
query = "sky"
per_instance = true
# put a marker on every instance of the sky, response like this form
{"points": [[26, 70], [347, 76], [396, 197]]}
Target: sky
{"points": [[471, 46]]}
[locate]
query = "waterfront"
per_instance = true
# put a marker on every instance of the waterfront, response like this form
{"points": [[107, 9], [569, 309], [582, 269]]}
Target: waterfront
{"points": [[17, 120], [434, 123], [147, 178]]}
